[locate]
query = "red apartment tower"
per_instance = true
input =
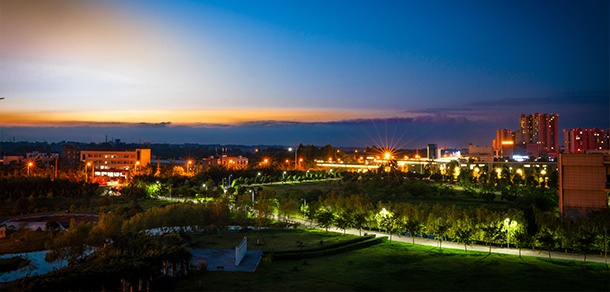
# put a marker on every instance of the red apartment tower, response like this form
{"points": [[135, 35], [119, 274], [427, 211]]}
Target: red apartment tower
{"points": [[539, 129], [579, 140]]}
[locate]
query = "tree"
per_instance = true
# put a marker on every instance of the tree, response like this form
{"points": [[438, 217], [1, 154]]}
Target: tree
{"points": [[386, 220], [547, 239], [414, 227], [265, 205], [359, 220], [344, 221], [521, 239], [492, 233], [441, 231], [584, 242], [70, 245], [311, 211], [325, 218], [464, 235]]}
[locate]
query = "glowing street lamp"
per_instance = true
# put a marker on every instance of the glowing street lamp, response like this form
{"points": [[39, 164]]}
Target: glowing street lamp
{"points": [[86, 175], [29, 166], [509, 223]]}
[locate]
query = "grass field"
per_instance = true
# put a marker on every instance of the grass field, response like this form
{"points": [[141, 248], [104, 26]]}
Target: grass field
{"points": [[399, 266], [272, 240], [306, 186], [460, 200]]}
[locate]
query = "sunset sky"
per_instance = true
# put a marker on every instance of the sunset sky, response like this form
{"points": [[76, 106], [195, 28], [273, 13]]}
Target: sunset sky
{"points": [[349, 73]]}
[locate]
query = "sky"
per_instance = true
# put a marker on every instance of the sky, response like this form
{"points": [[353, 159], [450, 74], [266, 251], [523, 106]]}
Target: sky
{"points": [[346, 73]]}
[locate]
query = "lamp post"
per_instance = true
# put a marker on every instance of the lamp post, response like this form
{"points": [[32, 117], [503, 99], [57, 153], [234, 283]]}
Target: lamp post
{"points": [[29, 166], [507, 222], [86, 174]]}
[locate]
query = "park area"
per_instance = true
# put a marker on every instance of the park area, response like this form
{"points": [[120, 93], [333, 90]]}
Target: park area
{"points": [[396, 266]]}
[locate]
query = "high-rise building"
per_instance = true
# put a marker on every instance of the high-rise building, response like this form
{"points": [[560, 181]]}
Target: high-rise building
{"points": [[579, 140], [539, 129], [503, 145]]}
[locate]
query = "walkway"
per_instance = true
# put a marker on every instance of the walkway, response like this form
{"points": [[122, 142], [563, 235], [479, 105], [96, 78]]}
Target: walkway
{"points": [[472, 247]]}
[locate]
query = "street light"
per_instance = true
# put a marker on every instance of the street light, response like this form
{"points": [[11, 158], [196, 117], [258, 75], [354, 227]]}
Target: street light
{"points": [[29, 165], [86, 175], [509, 223]]}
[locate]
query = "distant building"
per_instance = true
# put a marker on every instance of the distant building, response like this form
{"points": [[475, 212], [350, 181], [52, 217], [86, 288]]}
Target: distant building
{"points": [[7, 159], [70, 155], [47, 159], [579, 140], [229, 162], [482, 154], [504, 143], [539, 129], [432, 151], [115, 163], [584, 183]]}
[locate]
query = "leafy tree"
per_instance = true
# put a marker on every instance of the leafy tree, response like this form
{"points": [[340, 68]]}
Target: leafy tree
{"points": [[547, 239], [464, 234], [344, 221], [70, 245], [359, 220], [492, 233], [584, 241], [386, 220], [521, 239], [325, 218], [414, 227]]}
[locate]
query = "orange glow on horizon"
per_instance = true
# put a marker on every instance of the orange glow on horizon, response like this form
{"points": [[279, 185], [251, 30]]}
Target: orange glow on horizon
{"points": [[17, 117]]}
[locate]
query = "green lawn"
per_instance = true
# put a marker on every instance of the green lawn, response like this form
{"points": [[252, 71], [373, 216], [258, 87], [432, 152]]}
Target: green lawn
{"points": [[399, 266], [306, 186], [276, 240]]}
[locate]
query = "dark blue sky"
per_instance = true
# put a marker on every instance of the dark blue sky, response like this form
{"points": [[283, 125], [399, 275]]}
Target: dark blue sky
{"points": [[269, 72]]}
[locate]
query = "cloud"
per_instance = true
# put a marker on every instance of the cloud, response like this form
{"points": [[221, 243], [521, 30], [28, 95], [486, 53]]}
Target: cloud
{"points": [[154, 125]]}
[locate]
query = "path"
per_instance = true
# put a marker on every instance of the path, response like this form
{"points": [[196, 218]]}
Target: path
{"points": [[472, 247]]}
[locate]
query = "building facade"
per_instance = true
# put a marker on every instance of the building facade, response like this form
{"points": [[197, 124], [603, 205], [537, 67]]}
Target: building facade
{"points": [[539, 129], [229, 162], [580, 140], [584, 183], [70, 155], [115, 163]]}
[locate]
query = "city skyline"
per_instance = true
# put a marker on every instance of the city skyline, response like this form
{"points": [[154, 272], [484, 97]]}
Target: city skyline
{"points": [[344, 73]]}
